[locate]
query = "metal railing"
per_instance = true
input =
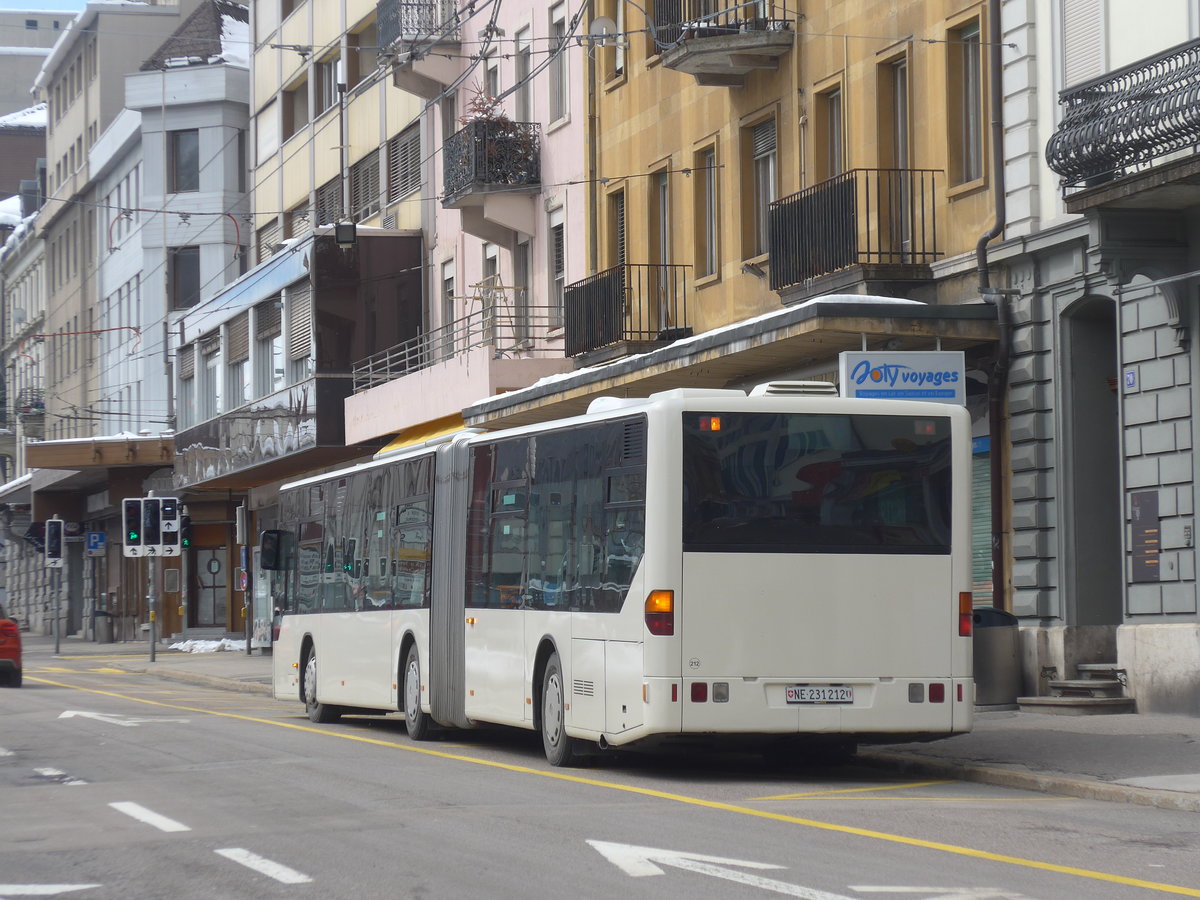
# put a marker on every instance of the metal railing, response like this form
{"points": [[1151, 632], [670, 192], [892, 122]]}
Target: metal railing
{"points": [[1121, 122], [523, 331], [626, 303], [491, 153], [417, 21], [861, 217], [677, 20]]}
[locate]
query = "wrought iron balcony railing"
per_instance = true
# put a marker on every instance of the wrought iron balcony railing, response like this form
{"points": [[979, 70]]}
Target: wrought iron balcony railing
{"points": [[518, 331], [882, 217], [638, 303], [490, 155], [676, 20], [1123, 121], [416, 21]]}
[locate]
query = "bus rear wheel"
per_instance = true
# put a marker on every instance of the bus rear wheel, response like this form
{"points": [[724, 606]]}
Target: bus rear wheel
{"points": [[416, 722], [317, 711], [560, 749]]}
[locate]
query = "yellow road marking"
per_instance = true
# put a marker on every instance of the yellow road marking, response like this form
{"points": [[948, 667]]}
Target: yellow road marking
{"points": [[109, 671], [863, 790], [903, 840]]}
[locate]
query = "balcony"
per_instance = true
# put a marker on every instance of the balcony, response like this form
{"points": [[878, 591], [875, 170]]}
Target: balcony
{"points": [[1128, 122], [490, 156], [868, 226], [625, 310], [502, 345], [409, 31], [722, 45]]}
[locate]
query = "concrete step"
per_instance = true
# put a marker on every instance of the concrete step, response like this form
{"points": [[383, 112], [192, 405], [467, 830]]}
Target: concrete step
{"points": [[1103, 671], [1076, 706], [1087, 687]]}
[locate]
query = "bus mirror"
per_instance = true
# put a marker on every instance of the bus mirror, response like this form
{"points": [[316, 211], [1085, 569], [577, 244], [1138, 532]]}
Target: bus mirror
{"points": [[274, 550]]}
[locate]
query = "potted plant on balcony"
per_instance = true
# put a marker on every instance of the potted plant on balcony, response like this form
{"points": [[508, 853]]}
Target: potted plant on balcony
{"points": [[501, 151]]}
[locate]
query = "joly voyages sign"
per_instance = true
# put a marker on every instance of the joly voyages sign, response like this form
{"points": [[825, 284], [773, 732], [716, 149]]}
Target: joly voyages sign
{"points": [[938, 375]]}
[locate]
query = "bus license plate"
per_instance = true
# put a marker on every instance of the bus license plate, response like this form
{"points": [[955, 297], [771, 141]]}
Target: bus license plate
{"points": [[819, 693]]}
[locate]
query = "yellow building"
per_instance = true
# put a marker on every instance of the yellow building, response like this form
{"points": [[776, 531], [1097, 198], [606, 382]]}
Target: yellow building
{"points": [[306, 54]]}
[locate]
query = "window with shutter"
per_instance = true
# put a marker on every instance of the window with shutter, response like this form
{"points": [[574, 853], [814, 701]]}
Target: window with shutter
{"points": [[267, 319], [364, 186], [239, 338], [329, 202], [1082, 40], [404, 163], [187, 361], [268, 238], [299, 304]]}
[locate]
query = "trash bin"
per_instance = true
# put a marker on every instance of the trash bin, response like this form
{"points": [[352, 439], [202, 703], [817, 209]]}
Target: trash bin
{"points": [[997, 657], [102, 627]]}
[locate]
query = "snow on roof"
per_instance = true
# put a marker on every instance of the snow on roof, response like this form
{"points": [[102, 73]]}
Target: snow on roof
{"points": [[32, 117], [10, 212], [235, 41]]}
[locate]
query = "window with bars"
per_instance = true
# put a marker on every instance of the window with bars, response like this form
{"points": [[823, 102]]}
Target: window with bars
{"points": [[404, 163], [364, 186]]}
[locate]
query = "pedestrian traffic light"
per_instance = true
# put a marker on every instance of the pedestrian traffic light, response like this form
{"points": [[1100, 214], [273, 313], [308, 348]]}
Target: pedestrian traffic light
{"points": [[132, 516], [151, 525], [185, 531], [54, 543]]}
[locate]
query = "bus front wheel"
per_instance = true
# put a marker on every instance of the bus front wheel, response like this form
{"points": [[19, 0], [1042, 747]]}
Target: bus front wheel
{"points": [[559, 748], [317, 711], [416, 722]]}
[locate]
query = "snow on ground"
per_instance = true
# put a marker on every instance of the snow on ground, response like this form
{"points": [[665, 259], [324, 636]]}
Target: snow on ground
{"points": [[210, 646]]}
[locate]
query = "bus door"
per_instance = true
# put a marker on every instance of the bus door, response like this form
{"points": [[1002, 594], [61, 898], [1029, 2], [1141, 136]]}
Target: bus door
{"points": [[497, 584]]}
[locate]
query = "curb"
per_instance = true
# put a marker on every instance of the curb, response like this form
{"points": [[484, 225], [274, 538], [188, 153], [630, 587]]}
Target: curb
{"points": [[1067, 785], [213, 681]]}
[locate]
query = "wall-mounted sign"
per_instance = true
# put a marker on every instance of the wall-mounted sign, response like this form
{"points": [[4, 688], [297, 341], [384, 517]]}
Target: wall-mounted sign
{"points": [[938, 375], [1147, 538]]}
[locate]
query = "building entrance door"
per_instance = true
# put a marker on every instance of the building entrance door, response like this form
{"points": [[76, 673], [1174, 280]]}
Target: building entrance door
{"points": [[211, 609]]}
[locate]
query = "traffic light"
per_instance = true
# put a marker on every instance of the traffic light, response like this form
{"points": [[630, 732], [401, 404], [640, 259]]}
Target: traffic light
{"points": [[185, 531], [151, 524], [132, 516], [54, 543], [169, 518]]}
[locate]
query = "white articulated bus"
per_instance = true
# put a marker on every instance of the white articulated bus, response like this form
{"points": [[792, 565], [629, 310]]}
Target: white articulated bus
{"points": [[790, 569]]}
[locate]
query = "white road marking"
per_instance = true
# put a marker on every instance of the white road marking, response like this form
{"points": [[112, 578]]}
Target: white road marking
{"points": [[63, 778], [640, 861], [41, 890], [264, 866], [114, 719], [149, 817], [941, 893], [4, 752]]}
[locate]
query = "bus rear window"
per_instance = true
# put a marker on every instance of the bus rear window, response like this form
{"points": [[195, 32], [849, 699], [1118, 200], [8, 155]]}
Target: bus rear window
{"points": [[816, 483]]}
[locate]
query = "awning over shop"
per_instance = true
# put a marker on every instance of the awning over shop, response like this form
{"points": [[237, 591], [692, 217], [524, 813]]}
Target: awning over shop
{"points": [[805, 336], [108, 452], [426, 431], [17, 492]]}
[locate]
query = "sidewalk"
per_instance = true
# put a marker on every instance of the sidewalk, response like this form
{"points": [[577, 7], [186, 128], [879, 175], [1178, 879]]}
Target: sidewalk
{"points": [[1149, 759]]}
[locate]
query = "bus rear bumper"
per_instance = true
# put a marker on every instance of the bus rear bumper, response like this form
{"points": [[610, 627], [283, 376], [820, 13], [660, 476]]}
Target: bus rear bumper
{"points": [[862, 708]]}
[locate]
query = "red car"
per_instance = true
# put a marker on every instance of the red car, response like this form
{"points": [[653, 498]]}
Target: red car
{"points": [[10, 651]]}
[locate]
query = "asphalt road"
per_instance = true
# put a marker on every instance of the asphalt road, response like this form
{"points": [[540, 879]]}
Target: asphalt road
{"points": [[140, 788]]}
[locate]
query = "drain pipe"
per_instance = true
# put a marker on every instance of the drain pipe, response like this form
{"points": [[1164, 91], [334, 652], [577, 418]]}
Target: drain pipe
{"points": [[998, 383]]}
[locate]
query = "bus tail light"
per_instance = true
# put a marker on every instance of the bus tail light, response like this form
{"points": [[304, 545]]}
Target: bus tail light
{"points": [[699, 692], [965, 613], [660, 612], [937, 693]]}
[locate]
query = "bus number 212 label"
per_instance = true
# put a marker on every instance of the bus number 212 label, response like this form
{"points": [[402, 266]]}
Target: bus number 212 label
{"points": [[822, 693]]}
